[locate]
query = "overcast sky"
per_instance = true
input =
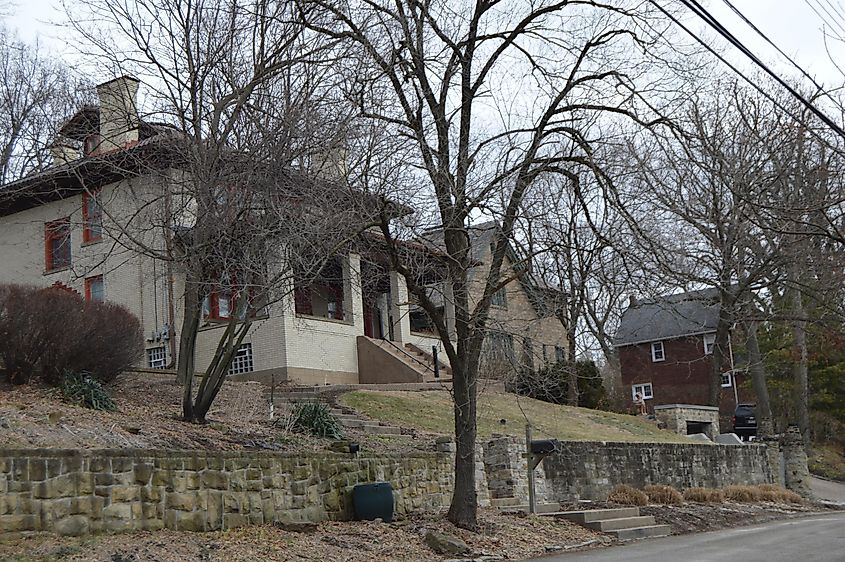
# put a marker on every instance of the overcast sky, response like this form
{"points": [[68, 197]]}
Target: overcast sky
{"points": [[793, 25]]}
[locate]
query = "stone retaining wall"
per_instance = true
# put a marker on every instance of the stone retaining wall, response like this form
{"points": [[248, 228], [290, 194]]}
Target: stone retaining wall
{"points": [[78, 492], [589, 470]]}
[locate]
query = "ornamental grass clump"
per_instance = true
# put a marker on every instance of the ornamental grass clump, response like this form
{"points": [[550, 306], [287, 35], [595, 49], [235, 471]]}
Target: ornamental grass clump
{"points": [[82, 389], [704, 495], [315, 418], [665, 495], [743, 494], [778, 494], [627, 495]]}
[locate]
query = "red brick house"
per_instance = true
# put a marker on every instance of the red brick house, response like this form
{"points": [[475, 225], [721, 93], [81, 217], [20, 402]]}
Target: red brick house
{"points": [[665, 347]]}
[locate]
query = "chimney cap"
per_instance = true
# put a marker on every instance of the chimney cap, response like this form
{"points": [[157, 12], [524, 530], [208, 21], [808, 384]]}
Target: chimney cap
{"points": [[122, 78]]}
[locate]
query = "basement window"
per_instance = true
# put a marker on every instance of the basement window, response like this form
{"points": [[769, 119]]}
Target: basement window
{"points": [[156, 358], [242, 361]]}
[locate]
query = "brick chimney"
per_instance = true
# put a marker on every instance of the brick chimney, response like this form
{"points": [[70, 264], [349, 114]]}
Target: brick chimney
{"points": [[118, 113]]}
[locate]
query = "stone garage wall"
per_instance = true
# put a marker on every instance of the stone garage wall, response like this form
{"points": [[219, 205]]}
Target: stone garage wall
{"points": [[589, 470], [79, 492]]}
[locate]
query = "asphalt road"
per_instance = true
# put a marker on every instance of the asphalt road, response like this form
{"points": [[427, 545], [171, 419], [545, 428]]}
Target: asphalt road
{"points": [[815, 538], [828, 489]]}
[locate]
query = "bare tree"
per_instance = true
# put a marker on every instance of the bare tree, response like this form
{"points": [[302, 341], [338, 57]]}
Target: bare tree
{"points": [[445, 77], [36, 91], [247, 119]]}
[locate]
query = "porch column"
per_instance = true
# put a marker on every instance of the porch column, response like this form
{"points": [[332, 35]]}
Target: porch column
{"points": [[384, 315], [449, 309], [400, 308], [353, 299]]}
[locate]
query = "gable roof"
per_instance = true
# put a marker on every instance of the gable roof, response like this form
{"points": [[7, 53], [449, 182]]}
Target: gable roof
{"points": [[668, 317], [543, 297]]}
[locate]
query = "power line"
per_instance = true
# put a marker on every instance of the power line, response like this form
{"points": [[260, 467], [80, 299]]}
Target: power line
{"points": [[708, 18], [736, 71], [770, 42], [833, 32], [826, 11]]}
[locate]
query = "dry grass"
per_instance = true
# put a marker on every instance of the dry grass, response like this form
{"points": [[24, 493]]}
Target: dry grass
{"points": [[506, 413], [743, 494], [627, 495], [778, 494], [665, 495], [704, 495]]}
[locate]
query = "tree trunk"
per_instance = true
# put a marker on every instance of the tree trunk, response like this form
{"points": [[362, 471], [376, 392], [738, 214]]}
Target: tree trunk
{"points": [[572, 368], [765, 422], [185, 365], [799, 368], [463, 509]]}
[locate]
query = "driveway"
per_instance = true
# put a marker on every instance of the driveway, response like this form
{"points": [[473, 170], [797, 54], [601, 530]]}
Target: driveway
{"points": [[815, 538], [828, 490]]}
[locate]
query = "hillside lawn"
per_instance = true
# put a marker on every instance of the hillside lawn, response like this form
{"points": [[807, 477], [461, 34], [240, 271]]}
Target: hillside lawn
{"points": [[432, 411]]}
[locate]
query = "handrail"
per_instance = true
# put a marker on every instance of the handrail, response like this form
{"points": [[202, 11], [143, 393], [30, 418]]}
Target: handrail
{"points": [[426, 365], [430, 356]]}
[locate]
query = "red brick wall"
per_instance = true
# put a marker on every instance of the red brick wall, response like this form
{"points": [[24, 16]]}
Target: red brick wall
{"points": [[682, 378]]}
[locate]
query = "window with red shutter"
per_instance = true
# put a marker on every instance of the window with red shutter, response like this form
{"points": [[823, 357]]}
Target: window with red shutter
{"points": [[57, 253], [92, 218]]}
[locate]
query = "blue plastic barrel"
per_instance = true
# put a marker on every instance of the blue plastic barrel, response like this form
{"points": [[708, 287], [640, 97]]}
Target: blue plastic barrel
{"points": [[373, 501]]}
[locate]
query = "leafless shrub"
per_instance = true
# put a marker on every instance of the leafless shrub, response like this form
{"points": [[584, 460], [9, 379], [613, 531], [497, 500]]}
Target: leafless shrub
{"points": [[704, 495], [627, 495], [662, 494], [46, 332]]}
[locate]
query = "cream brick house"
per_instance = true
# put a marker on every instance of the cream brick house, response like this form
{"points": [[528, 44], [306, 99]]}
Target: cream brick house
{"points": [[66, 225]]}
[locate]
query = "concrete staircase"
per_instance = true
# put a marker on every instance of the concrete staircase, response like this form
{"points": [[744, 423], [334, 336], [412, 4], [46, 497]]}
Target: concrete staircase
{"points": [[425, 357], [400, 363], [351, 419], [624, 523]]}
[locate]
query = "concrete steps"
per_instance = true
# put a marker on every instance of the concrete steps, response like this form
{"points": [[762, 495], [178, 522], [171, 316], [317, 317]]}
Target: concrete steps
{"points": [[346, 417], [624, 523]]}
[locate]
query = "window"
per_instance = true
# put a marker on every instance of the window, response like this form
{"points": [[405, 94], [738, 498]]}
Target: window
{"points": [[156, 358], [225, 298], [545, 354], [57, 244], [560, 354], [500, 298], [657, 353], [643, 389], [709, 343], [92, 218], [727, 379], [527, 354], [242, 361], [94, 290], [501, 346], [90, 144]]}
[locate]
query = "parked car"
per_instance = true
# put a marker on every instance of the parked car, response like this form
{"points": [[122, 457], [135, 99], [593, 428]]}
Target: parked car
{"points": [[745, 421]]}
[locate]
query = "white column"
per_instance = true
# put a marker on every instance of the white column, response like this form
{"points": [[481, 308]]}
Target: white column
{"points": [[400, 308], [353, 298], [384, 314]]}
